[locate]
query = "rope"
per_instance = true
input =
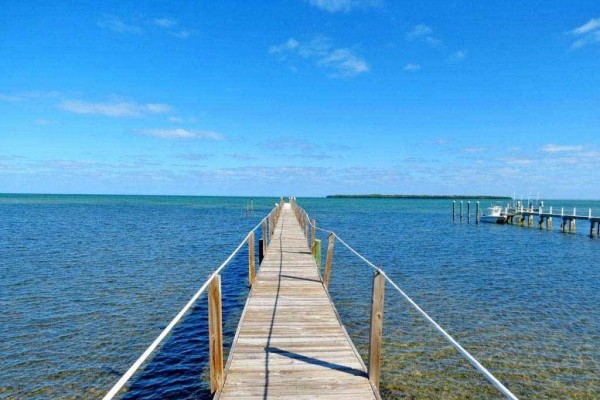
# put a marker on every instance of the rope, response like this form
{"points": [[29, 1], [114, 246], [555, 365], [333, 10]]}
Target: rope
{"points": [[488, 375], [136, 365]]}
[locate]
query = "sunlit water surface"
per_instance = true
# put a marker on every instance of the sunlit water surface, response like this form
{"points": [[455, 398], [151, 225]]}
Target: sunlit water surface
{"points": [[88, 282]]}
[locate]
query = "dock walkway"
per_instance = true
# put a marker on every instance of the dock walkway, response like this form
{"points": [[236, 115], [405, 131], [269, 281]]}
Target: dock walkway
{"points": [[290, 343]]}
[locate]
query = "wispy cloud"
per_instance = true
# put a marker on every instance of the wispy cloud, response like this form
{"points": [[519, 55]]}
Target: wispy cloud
{"points": [[476, 149], [164, 22], [457, 56], [411, 67], [343, 61], [587, 33], [334, 6], [29, 95], [180, 133], [194, 156], [553, 148], [113, 109], [422, 33], [168, 25], [116, 24]]}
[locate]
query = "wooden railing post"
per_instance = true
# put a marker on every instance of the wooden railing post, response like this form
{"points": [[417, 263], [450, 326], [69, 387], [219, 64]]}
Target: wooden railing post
{"points": [[215, 333], [261, 253], [328, 260], [251, 259], [313, 233], [376, 328], [264, 236]]}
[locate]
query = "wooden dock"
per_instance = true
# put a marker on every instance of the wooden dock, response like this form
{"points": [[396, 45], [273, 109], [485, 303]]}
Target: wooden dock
{"points": [[290, 342]]}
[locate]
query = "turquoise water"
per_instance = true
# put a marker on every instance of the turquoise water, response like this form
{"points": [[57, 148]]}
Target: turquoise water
{"points": [[88, 282]]}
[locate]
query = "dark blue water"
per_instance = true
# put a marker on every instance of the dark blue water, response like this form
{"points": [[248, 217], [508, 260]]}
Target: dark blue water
{"points": [[88, 282]]}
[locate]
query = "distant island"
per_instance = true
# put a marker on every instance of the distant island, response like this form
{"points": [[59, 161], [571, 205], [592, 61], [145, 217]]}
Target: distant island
{"points": [[413, 196]]}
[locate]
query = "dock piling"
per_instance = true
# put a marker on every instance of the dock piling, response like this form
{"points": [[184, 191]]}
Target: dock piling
{"points": [[215, 333], [453, 210], [328, 260], [251, 260], [468, 212], [461, 211], [477, 213], [376, 328]]}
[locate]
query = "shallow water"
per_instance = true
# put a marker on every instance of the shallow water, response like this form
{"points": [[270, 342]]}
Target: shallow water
{"points": [[88, 282]]}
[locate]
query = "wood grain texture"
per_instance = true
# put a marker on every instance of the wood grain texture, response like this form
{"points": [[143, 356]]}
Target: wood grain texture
{"points": [[215, 333], [290, 343], [376, 328]]}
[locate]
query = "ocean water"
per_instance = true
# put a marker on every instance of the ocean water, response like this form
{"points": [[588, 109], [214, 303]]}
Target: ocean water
{"points": [[88, 282]]}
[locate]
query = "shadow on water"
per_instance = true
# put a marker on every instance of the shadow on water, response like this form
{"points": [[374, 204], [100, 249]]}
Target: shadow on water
{"points": [[179, 370]]}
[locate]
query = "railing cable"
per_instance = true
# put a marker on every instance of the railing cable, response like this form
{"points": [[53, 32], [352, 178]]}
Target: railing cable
{"points": [[136, 365], [476, 364]]}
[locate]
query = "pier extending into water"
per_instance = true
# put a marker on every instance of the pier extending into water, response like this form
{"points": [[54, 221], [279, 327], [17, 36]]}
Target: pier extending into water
{"points": [[527, 216], [290, 342]]}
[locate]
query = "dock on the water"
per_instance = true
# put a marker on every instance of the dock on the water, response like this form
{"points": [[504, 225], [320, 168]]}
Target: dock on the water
{"points": [[290, 343], [526, 216]]}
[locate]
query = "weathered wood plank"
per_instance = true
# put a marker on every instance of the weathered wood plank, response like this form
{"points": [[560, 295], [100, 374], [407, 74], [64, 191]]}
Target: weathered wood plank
{"points": [[290, 343]]}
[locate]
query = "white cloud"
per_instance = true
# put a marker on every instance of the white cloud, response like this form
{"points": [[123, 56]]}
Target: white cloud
{"points": [[183, 34], [418, 31], [588, 33], [589, 26], [176, 120], [343, 61], [113, 109], [457, 56], [343, 5], [346, 62], [411, 67], [116, 24], [44, 122], [291, 44], [179, 133], [553, 148], [164, 22]]}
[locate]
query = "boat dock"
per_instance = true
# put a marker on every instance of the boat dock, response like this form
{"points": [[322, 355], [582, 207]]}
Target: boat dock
{"points": [[290, 342], [526, 216]]}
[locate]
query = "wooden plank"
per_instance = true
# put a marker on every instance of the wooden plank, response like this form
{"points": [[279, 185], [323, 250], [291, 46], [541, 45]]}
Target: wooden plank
{"points": [[290, 343]]}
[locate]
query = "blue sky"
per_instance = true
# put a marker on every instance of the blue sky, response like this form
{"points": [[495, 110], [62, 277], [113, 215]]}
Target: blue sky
{"points": [[300, 97]]}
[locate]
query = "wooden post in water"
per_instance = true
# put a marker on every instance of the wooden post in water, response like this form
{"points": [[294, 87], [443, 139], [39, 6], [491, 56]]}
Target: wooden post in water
{"points": [[215, 333], [453, 209], [469, 212], [328, 260], [563, 225], [251, 259], [591, 229], [461, 208], [376, 328], [264, 236], [316, 252], [572, 226], [261, 252], [477, 213], [549, 220]]}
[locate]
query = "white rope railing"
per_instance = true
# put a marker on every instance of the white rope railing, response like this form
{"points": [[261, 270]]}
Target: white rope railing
{"points": [[476, 364], [136, 365]]}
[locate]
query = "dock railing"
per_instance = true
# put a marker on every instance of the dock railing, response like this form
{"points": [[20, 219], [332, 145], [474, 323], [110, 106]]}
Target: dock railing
{"points": [[215, 323], [379, 278]]}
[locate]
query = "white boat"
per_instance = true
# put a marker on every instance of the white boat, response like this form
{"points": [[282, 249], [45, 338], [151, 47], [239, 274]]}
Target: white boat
{"points": [[494, 216]]}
